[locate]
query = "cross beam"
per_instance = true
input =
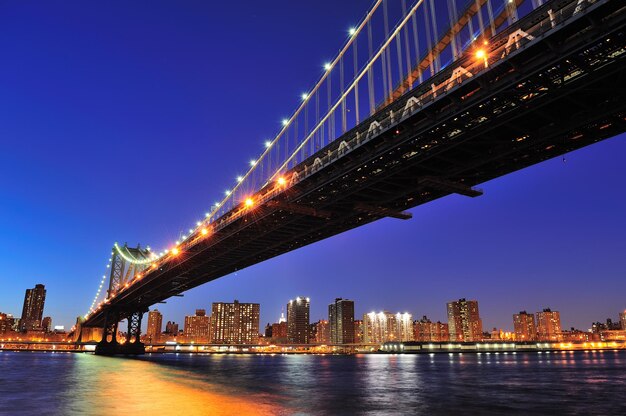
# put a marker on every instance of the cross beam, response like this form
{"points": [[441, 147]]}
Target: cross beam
{"points": [[449, 186]]}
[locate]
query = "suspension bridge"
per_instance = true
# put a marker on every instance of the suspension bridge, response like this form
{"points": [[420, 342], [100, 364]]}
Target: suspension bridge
{"points": [[425, 98]]}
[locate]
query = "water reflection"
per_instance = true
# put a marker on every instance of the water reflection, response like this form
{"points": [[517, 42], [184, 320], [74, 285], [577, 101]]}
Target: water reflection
{"points": [[433, 384]]}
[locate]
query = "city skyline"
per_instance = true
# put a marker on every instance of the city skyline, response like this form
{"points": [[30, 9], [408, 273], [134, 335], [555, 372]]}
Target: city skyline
{"points": [[230, 320], [533, 226]]}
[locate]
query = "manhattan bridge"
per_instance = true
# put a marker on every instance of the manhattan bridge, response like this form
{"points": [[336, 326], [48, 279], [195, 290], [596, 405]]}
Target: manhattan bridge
{"points": [[425, 98]]}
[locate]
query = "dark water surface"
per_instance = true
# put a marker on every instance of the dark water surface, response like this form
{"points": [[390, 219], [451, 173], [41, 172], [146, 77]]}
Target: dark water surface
{"points": [[579, 383]]}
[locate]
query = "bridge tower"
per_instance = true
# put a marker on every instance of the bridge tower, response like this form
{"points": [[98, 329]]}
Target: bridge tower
{"points": [[126, 263]]}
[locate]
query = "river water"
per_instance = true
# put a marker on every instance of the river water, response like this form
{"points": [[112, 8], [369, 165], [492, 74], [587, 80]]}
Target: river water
{"points": [[562, 383]]}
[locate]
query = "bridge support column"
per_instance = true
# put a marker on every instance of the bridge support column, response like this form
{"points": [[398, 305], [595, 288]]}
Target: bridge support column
{"points": [[133, 344]]}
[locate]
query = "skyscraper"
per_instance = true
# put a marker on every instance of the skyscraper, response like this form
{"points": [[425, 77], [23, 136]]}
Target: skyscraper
{"points": [[298, 320], [235, 323], [548, 325], [464, 321], [155, 323], [622, 319], [341, 318], [32, 312], [197, 326], [524, 326]]}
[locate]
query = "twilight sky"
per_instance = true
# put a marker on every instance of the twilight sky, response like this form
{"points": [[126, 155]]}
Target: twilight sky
{"points": [[124, 121]]}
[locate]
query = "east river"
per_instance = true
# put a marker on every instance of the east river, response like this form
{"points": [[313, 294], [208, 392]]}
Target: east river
{"points": [[557, 383]]}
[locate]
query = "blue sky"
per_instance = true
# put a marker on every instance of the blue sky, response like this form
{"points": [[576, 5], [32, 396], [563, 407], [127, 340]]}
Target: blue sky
{"points": [[124, 121]]}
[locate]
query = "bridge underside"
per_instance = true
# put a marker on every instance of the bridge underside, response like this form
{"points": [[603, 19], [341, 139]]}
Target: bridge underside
{"points": [[558, 95]]}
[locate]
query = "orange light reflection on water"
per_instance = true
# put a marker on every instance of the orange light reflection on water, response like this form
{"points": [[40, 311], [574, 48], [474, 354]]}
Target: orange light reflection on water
{"points": [[128, 386]]}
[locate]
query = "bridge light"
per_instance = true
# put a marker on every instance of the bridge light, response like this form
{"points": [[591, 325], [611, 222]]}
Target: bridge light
{"points": [[281, 181], [249, 202], [268, 143], [327, 66], [252, 162], [204, 231], [304, 96], [285, 121], [175, 251], [481, 54], [239, 178], [352, 31]]}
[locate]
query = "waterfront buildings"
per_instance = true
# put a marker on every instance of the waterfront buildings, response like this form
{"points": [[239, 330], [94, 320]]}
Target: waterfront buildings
{"points": [[298, 320], [197, 326], [548, 325], [32, 311], [171, 328], [235, 323], [524, 326], [321, 332], [279, 330], [358, 331], [386, 327], [341, 318], [622, 319], [155, 323], [6, 322], [426, 331], [46, 324], [464, 321]]}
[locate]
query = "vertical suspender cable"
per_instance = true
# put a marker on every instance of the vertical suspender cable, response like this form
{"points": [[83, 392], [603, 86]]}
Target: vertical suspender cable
{"points": [[492, 22], [433, 16], [418, 56], [370, 80], [407, 50], [355, 47], [387, 55], [479, 12], [452, 31], [431, 57]]}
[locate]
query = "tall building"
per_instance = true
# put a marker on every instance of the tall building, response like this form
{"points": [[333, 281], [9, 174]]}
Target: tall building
{"points": [[46, 324], [32, 312], [341, 318], [622, 319], [524, 326], [548, 325], [298, 320], [464, 321], [384, 326], [155, 323], [426, 331], [197, 326], [235, 323]]}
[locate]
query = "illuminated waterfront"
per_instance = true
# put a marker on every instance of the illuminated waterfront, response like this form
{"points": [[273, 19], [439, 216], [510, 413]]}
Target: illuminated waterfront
{"points": [[521, 383]]}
